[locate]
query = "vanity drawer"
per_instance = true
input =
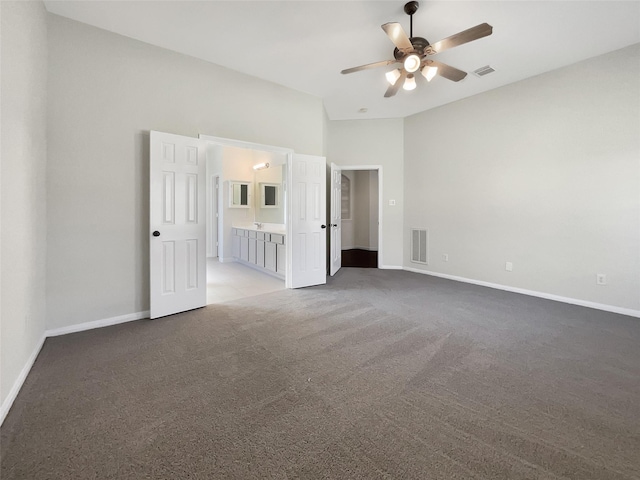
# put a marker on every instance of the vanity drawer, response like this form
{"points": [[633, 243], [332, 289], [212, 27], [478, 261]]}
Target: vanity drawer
{"points": [[277, 238], [253, 234], [264, 236]]}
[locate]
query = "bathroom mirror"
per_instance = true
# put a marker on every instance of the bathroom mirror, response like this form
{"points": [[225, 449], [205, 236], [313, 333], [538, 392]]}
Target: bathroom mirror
{"points": [[239, 194], [269, 195]]}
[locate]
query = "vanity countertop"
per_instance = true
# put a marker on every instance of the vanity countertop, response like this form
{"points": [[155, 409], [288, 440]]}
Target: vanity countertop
{"points": [[268, 228]]}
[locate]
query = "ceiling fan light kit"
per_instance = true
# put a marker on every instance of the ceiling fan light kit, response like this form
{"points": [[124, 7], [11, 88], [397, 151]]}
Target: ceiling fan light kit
{"points": [[429, 72], [412, 63], [412, 53], [393, 76]]}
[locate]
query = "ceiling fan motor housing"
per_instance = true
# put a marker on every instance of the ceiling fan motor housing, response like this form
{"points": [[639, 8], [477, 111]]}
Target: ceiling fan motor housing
{"points": [[420, 47]]}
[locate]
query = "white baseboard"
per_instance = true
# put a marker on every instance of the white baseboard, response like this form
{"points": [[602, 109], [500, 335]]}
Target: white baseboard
{"points": [[105, 322], [548, 296], [13, 393], [17, 385], [390, 267]]}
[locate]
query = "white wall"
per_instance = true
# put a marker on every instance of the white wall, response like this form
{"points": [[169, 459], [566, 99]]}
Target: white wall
{"points": [[376, 142], [544, 173], [106, 92], [23, 210]]}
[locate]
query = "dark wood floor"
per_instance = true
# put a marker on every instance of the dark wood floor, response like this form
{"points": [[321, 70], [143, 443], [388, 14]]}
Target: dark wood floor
{"points": [[357, 257]]}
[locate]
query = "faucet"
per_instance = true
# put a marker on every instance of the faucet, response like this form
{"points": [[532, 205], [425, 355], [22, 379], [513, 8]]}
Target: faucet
{"points": [[258, 225]]}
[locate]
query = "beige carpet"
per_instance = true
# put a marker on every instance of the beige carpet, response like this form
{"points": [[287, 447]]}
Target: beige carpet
{"points": [[377, 375]]}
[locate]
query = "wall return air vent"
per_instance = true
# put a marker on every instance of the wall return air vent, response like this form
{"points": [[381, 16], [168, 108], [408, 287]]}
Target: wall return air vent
{"points": [[482, 71], [419, 245]]}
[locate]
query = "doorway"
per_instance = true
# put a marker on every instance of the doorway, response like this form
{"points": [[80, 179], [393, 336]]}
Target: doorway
{"points": [[360, 207], [180, 239], [231, 169]]}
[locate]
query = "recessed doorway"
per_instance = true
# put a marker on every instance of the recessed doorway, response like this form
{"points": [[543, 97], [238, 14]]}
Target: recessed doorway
{"points": [[360, 217]]}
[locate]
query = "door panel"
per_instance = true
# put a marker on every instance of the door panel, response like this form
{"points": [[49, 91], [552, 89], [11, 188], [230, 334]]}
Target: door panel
{"points": [[177, 200], [336, 219], [308, 226]]}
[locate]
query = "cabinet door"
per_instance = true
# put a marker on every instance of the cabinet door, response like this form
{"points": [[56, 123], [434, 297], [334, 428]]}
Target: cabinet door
{"points": [[281, 259], [260, 253], [252, 250], [244, 248], [235, 246], [270, 256]]}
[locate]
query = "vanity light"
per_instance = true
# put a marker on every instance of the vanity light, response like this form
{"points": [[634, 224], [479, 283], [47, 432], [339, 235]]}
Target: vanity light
{"points": [[410, 82], [429, 72], [393, 76], [412, 63], [260, 166]]}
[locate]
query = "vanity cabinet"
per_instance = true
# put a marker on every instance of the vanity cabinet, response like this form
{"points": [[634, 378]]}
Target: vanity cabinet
{"points": [[252, 246], [263, 250], [244, 248], [270, 256], [235, 243], [281, 259]]}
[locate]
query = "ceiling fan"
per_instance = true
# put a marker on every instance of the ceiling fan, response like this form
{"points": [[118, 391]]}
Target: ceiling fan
{"points": [[413, 53]]}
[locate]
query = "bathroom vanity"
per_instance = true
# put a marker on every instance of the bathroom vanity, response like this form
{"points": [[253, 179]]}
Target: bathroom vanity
{"points": [[261, 248]]}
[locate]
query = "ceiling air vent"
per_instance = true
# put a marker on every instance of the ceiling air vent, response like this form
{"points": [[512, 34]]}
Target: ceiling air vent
{"points": [[482, 71]]}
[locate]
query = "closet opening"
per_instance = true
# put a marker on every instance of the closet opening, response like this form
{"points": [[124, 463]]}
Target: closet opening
{"points": [[360, 218]]}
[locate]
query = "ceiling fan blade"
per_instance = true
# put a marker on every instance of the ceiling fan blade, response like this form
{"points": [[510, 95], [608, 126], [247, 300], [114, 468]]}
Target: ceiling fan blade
{"points": [[447, 71], [398, 36], [393, 89], [369, 65], [469, 35]]}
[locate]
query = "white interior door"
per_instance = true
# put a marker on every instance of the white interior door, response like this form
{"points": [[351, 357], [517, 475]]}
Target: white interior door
{"points": [[178, 224], [336, 220], [307, 239]]}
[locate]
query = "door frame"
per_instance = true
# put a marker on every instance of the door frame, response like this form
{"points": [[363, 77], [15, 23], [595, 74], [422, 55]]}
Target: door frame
{"points": [[380, 212], [212, 215]]}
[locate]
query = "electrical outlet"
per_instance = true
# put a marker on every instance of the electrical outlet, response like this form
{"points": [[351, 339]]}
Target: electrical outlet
{"points": [[508, 267], [445, 257], [601, 279]]}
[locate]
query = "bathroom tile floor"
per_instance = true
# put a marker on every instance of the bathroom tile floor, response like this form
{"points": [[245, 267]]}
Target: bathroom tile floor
{"points": [[233, 281]]}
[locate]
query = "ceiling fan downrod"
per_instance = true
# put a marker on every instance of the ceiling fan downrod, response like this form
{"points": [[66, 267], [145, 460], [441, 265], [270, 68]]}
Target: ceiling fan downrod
{"points": [[410, 8]]}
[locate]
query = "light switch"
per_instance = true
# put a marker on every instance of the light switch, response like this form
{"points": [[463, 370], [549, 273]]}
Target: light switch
{"points": [[392, 203]]}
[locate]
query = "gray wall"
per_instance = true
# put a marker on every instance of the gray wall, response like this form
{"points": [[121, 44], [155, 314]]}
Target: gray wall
{"points": [[543, 173], [105, 93], [376, 142], [23, 209]]}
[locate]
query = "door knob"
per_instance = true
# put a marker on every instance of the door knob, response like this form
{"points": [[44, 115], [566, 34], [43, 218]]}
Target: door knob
{"points": [[156, 233], [323, 226]]}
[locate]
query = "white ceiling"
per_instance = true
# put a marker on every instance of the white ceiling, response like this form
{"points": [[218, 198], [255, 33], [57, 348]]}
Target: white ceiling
{"points": [[305, 44]]}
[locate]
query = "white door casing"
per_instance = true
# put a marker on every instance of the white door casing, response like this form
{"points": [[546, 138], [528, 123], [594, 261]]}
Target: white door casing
{"points": [[177, 224], [336, 220], [307, 235]]}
